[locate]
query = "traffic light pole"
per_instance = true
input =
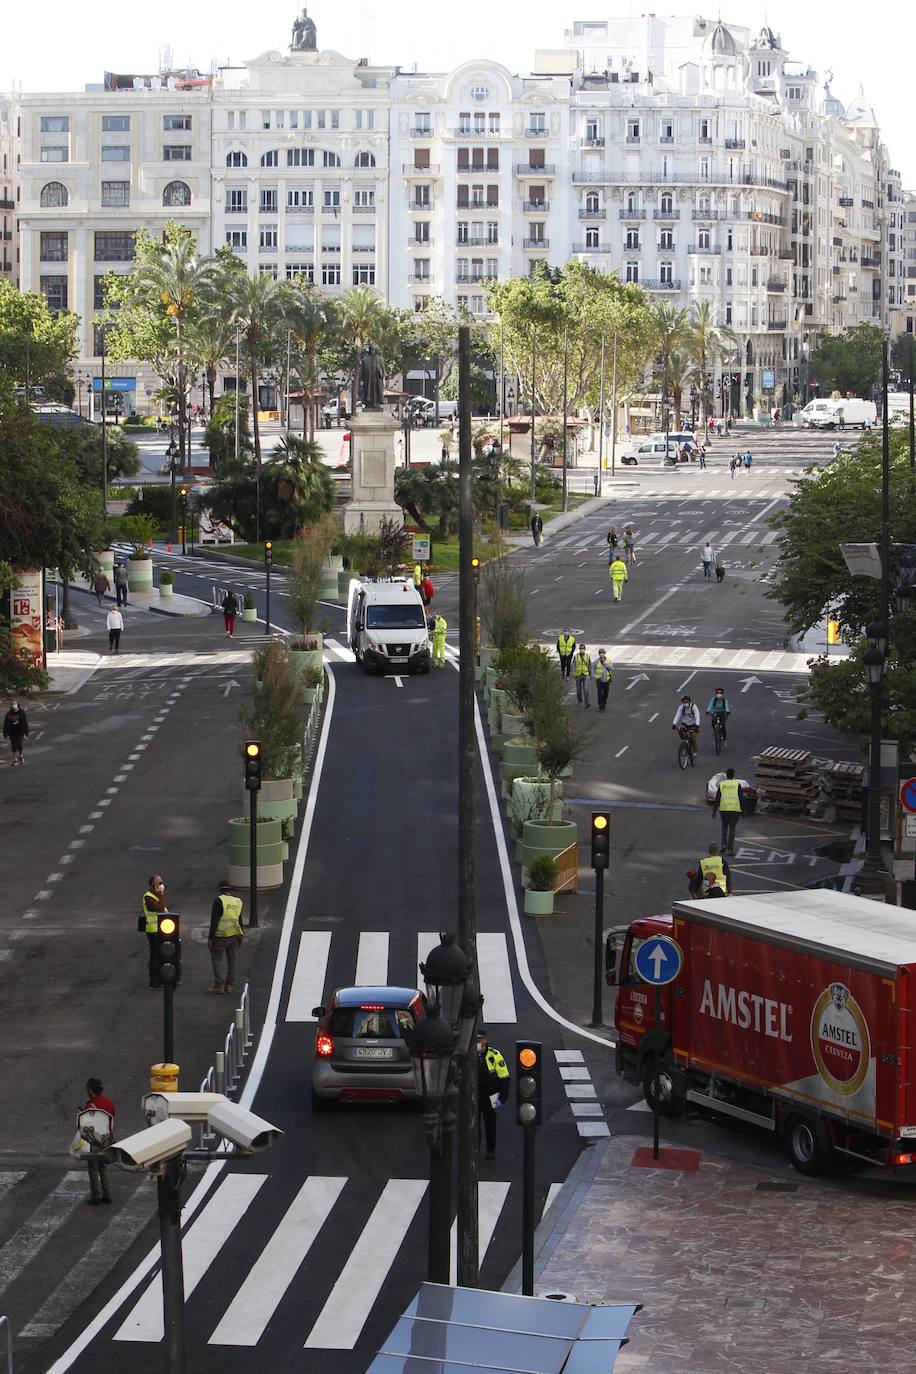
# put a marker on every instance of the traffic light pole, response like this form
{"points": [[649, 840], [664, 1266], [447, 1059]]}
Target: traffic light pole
{"points": [[267, 566], [253, 859], [528, 1133], [599, 944], [168, 1193], [168, 1023]]}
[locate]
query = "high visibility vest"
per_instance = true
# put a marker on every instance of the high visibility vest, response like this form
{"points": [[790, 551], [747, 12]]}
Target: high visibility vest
{"points": [[618, 570], [151, 912], [230, 923], [713, 871], [566, 645], [439, 627], [603, 670], [496, 1064], [729, 799], [582, 665], [417, 575]]}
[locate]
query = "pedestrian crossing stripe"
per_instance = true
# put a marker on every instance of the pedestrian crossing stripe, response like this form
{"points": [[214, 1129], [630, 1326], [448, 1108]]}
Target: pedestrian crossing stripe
{"points": [[309, 985]]}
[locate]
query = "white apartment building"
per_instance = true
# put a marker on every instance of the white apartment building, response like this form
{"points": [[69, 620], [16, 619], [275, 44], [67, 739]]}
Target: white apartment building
{"points": [[9, 152], [685, 154]]}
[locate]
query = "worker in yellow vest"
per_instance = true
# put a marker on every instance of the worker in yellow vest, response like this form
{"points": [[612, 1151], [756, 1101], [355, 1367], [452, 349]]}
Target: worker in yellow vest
{"points": [[224, 939], [153, 905], [730, 806], [582, 671], [711, 878], [440, 625], [618, 575], [566, 647], [417, 575], [602, 679]]}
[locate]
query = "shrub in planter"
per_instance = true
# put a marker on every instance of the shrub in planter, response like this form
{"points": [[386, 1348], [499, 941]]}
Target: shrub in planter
{"points": [[166, 582], [307, 571], [276, 716], [543, 874], [249, 609], [502, 603], [139, 530]]}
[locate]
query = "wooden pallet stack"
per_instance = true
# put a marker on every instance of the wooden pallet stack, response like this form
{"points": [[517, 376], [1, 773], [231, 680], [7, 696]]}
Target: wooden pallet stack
{"points": [[786, 778], [843, 783]]}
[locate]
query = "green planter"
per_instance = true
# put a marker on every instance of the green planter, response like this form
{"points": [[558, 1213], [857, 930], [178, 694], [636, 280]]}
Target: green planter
{"points": [[140, 574], [250, 613], [105, 560], [538, 903], [166, 589], [343, 585], [302, 659], [531, 802], [508, 772], [480, 672], [544, 838], [276, 800], [490, 675], [520, 751], [512, 724], [271, 852]]}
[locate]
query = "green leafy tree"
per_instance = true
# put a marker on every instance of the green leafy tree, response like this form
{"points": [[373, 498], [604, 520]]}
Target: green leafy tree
{"points": [[428, 338], [307, 567], [481, 387], [36, 344], [296, 489], [903, 357], [849, 362], [429, 493], [211, 341], [219, 435], [256, 303], [313, 322], [707, 343]]}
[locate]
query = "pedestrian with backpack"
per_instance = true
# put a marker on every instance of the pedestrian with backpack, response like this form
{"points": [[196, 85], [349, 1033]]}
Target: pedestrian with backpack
{"points": [[230, 611]]}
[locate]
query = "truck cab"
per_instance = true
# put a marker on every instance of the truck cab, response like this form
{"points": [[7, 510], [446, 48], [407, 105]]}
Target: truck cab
{"points": [[635, 1013], [386, 626]]}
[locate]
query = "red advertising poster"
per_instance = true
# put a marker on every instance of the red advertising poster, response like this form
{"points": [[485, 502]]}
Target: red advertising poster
{"points": [[25, 615]]}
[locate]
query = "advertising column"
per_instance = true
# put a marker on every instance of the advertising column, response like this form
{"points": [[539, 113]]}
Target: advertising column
{"points": [[26, 617]]}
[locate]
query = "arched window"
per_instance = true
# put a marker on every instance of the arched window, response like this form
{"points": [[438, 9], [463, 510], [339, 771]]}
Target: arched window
{"points": [[236, 160], [631, 201], [330, 159], [176, 193], [667, 203], [364, 160], [53, 195], [270, 159], [591, 203]]}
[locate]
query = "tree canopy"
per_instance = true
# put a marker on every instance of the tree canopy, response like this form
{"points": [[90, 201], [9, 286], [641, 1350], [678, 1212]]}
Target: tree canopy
{"points": [[848, 362], [36, 343]]}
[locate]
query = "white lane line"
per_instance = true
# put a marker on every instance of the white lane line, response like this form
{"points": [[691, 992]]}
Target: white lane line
{"points": [[201, 1243], [580, 1092], [358, 1285], [246, 1319], [573, 1074], [584, 1109], [672, 591], [94, 816], [761, 513], [651, 718], [568, 1056], [552, 1194], [372, 959], [593, 1128], [340, 650], [39, 1227], [621, 751], [491, 1198], [495, 979], [43, 895], [687, 679], [309, 975], [397, 680]]}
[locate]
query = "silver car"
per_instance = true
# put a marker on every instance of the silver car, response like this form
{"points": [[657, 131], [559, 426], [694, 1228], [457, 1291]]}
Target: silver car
{"points": [[361, 1046]]}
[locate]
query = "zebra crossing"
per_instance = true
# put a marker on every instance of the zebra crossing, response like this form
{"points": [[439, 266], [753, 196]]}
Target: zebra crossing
{"points": [[374, 966], [758, 536]]}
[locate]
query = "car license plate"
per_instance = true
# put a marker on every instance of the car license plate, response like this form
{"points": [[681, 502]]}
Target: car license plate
{"points": [[399, 660], [367, 1052]]}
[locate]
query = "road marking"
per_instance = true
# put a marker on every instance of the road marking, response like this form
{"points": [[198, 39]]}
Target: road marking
{"points": [[586, 1109], [372, 959], [201, 1243], [40, 1226], [593, 1128], [495, 978], [672, 591], [397, 680], [687, 679], [760, 514], [621, 751], [553, 1193], [569, 1056], [574, 1075], [347, 655], [580, 1092], [358, 1285], [651, 718], [309, 975], [491, 1198], [276, 1267]]}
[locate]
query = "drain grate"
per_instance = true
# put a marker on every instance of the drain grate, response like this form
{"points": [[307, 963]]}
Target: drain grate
{"points": [[777, 1187]]}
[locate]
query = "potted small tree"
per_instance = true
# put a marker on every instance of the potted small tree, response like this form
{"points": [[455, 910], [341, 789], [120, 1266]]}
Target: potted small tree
{"points": [[542, 879], [166, 582], [276, 717], [249, 609], [503, 605], [306, 578], [561, 740], [139, 530]]}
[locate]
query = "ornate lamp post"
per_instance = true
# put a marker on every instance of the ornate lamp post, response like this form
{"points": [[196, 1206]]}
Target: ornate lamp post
{"points": [[875, 660]]}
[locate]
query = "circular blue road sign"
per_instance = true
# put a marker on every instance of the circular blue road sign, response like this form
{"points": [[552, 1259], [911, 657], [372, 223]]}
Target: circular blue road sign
{"points": [[908, 794], [658, 960]]}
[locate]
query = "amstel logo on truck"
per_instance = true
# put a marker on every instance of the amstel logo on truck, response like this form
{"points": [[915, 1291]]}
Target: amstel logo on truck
{"points": [[839, 1040]]}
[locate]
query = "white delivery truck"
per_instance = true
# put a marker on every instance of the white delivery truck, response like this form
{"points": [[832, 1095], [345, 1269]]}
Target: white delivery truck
{"points": [[842, 414], [386, 627]]}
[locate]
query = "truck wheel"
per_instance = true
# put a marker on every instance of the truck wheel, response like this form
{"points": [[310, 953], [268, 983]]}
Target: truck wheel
{"points": [[806, 1145], [670, 1099]]}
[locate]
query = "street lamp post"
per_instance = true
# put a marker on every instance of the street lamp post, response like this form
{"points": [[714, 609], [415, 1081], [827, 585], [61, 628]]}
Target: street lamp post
{"points": [[171, 453], [875, 659], [184, 519]]}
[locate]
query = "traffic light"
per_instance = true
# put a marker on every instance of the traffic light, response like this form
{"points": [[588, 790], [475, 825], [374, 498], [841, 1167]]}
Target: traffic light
{"points": [[168, 949], [601, 839], [268, 551], [475, 568], [183, 493], [253, 765], [528, 1082], [833, 632]]}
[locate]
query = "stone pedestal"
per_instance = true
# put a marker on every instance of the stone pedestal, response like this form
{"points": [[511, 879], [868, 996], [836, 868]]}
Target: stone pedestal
{"points": [[372, 448]]}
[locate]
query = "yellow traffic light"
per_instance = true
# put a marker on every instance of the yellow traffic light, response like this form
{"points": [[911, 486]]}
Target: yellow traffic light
{"points": [[833, 632], [527, 1057], [475, 562], [167, 925], [599, 822], [253, 749]]}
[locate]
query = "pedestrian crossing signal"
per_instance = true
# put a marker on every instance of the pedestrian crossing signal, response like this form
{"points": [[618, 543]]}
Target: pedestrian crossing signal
{"points": [[168, 949], [833, 632], [475, 568], [253, 765], [528, 1082], [601, 839], [268, 551]]}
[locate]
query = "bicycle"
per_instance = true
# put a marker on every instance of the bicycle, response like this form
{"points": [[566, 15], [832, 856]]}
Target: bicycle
{"points": [[718, 732], [685, 750]]}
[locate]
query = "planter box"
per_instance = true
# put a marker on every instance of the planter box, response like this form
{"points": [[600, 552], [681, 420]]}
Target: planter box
{"points": [[520, 751], [544, 838], [531, 802], [105, 559], [166, 589], [480, 672], [485, 654], [276, 800], [343, 585], [272, 848], [301, 659], [249, 613], [512, 725], [490, 676], [538, 903], [140, 574]]}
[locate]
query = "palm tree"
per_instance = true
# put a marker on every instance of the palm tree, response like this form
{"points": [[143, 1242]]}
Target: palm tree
{"points": [[706, 343], [310, 318], [257, 309], [680, 374], [365, 320], [670, 327], [211, 340]]}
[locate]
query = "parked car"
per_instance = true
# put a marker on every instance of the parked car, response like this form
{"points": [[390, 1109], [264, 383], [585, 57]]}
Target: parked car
{"points": [[648, 450], [361, 1046]]}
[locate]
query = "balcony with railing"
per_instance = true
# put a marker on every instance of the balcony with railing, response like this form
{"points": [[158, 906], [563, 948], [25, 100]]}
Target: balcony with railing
{"points": [[464, 131], [363, 248], [421, 243], [422, 131], [705, 214], [237, 209], [776, 284], [633, 138], [763, 217], [873, 263], [694, 248], [419, 278], [786, 254], [536, 243], [846, 201], [666, 139], [536, 207], [415, 206], [530, 169], [470, 277], [654, 284], [632, 214], [6, 203], [735, 143], [774, 325], [592, 214], [537, 131], [595, 142], [666, 214], [357, 209], [416, 169], [476, 241]]}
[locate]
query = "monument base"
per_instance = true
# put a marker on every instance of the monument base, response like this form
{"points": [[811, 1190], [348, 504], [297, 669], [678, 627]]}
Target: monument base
{"points": [[372, 451], [365, 517]]}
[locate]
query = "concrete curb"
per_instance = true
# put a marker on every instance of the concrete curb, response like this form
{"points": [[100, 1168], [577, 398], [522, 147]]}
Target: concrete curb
{"points": [[556, 1223]]}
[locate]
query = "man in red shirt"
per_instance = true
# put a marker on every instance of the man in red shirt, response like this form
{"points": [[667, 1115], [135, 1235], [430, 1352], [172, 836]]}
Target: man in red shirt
{"points": [[99, 1189]]}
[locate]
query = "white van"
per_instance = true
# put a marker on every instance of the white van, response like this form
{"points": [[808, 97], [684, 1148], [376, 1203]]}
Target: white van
{"points": [[815, 411], [649, 451], [843, 414], [386, 627]]}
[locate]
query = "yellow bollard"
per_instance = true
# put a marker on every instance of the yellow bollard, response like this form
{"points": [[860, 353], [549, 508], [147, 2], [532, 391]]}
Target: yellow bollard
{"points": [[163, 1078]]}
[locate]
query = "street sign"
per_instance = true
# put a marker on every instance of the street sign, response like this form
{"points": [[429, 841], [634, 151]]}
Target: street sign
{"points": [[862, 560], [659, 960], [908, 794], [911, 827], [421, 548]]}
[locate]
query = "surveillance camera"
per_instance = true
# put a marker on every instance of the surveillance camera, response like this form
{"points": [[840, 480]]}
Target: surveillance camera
{"points": [[249, 1132], [187, 1106], [152, 1146]]}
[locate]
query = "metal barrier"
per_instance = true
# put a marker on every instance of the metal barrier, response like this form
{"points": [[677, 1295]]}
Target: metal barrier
{"points": [[567, 862], [8, 1332], [224, 1073]]}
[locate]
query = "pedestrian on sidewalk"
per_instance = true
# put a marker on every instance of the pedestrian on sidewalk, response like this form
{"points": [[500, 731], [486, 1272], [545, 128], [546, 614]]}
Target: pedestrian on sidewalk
{"points": [[602, 679], [566, 647], [582, 671], [618, 574], [224, 939], [492, 1089], [629, 546], [100, 585], [99, 1187], [115, 622], [537, 529], [440, 626], [708, 556], [15, 729], [427, 591], [230, 611], [730, 807], [120, 577], [153, 906]]}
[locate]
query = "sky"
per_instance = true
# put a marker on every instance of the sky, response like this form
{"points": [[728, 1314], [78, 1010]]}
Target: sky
{"points": [[92, 37]]}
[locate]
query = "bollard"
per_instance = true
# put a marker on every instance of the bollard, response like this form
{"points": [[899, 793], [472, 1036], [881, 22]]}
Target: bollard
{"points": [[219, 1073], [163, 1078]]}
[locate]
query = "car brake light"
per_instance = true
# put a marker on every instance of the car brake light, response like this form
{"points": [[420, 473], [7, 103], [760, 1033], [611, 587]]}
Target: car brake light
{"points": [[903, 1159], [372, 1006], [324, 1046]]}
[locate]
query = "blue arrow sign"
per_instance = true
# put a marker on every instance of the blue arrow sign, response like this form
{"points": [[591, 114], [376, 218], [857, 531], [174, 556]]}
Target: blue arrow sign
{"points": [[658, 960]]}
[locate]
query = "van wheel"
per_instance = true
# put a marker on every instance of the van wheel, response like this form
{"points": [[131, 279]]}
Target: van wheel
{"points": [[670, 1100], [806, 1145]]}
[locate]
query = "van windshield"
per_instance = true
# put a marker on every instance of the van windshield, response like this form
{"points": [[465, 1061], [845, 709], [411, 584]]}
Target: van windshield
{"points": [[397, 617]]}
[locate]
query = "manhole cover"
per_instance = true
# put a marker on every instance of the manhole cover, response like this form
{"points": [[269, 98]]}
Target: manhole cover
{"points": [[777, 1187]]}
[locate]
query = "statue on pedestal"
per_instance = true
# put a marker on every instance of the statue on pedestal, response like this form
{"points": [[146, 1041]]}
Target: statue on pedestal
{"points": [[305, 36], [372, 378]]}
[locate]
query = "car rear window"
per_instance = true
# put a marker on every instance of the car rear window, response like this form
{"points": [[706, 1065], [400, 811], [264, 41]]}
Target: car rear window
{"points": [[356, 1023]]}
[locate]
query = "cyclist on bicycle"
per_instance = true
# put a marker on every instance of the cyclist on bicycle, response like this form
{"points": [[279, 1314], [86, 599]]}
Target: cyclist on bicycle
{"points": [[719, 711], [687, 717]]}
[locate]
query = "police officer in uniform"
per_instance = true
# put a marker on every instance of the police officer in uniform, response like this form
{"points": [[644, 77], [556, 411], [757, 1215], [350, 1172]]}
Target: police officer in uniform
{"points": [[602, 679], [730, 806], [153, 905], [492, 1088], [566, 647], [225, 937]]}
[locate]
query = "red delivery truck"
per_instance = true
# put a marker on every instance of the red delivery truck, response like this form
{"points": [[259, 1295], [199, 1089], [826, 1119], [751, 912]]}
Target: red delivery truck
{"points": [[791, 1011]]}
